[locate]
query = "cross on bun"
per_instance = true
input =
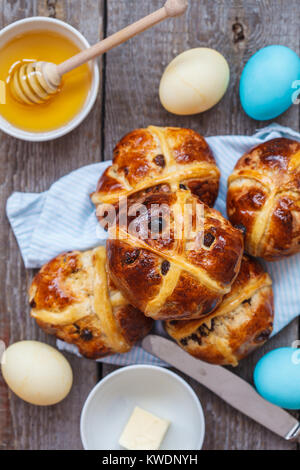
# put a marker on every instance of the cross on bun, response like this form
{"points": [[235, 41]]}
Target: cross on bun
{"points": [[166, 271], [242, 322], [73, 298], [264, 198], [154, 156]]}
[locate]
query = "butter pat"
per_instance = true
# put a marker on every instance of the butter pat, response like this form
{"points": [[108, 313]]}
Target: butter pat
{"points": [[144, 431]]}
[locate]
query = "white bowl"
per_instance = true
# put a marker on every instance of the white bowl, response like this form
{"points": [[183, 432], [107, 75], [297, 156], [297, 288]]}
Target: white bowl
{"points": [[155, 389], [50, 24]]}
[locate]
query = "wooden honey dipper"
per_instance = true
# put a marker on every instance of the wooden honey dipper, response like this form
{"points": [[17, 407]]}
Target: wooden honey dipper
{"points": [[35, 82]]}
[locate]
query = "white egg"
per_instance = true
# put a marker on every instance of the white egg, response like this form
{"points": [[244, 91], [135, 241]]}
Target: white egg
{"points": [[194, 81], [36, 372]]}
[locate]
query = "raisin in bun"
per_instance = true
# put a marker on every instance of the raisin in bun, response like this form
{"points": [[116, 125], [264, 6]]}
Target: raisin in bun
{"points": [[163, 269], [154, 156], [242, 322], [264, 198], [73, 298]]}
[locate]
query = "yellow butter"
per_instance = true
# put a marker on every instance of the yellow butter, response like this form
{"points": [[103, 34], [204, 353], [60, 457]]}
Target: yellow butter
{"points": [[144, 431]]}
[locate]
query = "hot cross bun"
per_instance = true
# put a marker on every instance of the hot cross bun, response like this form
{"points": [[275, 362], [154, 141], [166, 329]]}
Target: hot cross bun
{"points": [[165, 270], [264, 198], [73, 298], [242, 323], [154, 156]]}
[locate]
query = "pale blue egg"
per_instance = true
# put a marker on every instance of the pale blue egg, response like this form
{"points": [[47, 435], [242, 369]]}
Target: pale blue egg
{"points": [[266, 86], [277, 377]]}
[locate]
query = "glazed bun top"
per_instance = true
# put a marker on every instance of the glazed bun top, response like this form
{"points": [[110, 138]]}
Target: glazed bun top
{"points": [[157, 155], [264, 198], [242, 322], [167, 268], [73, 297]]}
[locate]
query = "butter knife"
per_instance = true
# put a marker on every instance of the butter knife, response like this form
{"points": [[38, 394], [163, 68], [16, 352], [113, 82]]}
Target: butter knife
{"points": [[228, 386]]}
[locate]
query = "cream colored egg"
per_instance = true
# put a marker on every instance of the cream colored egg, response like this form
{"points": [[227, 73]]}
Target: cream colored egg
{"points": [[194, 81], [36, 372]]}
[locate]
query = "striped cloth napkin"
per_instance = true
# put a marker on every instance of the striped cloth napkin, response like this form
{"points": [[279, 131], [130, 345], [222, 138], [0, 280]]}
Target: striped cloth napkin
{"points": [[63, 218]]}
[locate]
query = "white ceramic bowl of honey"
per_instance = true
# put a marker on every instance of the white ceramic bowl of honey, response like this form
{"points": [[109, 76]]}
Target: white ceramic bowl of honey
{"points": [[52, 40]]}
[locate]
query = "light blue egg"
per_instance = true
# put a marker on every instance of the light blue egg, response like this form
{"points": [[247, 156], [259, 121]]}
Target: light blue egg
{"points": [[277, 377], [266, 86]]}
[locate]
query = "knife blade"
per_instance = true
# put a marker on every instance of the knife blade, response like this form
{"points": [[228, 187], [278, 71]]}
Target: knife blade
{"points": [[232, 389]]}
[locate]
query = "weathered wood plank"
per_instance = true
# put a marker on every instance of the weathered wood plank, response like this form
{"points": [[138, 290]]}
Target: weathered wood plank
{"points": [[33, 167], [130, 102], [134, 69], [237, 28]]}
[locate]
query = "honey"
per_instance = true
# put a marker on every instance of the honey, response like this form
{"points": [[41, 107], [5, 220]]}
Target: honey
{"points": [[63, 106]]}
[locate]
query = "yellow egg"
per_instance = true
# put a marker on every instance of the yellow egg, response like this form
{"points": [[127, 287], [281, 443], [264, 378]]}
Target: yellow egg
{"points": [[194, 81], [36, 372]]}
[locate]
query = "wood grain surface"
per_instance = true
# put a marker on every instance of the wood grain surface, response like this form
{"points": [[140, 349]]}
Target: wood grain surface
{"points": [[128, 99], [33, 167]]}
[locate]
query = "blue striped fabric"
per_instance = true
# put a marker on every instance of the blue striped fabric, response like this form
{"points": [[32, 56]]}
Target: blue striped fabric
{"points": [[63, 219]]}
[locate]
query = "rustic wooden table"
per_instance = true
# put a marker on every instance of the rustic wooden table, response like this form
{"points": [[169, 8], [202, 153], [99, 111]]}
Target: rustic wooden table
{"points": [[128, 99]]}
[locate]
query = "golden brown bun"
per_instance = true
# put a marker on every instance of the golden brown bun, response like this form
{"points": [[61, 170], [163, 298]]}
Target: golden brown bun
{"points": [[71, 297], [242, 322], [172, 277], [156, 155], [264, 197]]}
